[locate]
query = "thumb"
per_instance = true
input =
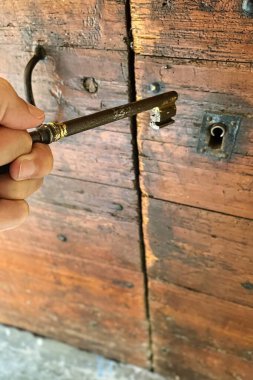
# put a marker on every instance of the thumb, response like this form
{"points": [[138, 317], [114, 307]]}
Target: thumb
{"points": [[15, 113]]}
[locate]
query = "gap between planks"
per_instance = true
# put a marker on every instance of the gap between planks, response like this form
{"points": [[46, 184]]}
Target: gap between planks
{"points": [[136, 164]]}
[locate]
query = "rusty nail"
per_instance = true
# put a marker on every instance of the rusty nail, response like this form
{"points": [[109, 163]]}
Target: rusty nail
{"points": [[90, 85], [62, 238], [154, 87], [247, 7]]}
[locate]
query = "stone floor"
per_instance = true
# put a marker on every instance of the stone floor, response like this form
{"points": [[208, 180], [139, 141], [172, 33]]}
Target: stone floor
{"points": [[26, 357]]}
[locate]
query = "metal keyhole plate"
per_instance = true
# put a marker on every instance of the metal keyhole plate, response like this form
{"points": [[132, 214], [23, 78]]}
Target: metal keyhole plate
{"points": [[218, 135]]}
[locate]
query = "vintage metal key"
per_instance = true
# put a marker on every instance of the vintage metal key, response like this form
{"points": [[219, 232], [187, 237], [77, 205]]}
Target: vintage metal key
{"points": [[163, 108]]}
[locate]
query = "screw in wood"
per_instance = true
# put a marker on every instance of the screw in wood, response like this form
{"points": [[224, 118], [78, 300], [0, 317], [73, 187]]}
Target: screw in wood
{"points": [[62, 238], [90, 85], [247, 7], [154, 88]]}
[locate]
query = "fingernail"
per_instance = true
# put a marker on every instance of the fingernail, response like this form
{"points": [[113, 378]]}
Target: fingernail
{"points": [[36, 112], [27, 169]]}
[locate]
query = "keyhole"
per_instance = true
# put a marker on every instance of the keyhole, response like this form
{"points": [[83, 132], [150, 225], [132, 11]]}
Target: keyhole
{"points": [[217, 132]]}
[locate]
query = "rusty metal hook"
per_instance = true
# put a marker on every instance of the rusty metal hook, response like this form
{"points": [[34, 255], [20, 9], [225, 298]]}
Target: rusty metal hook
{"points": [[40, 54]]}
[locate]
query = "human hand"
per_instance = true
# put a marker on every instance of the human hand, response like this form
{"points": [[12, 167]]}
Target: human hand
{"points": [[29, 162]]}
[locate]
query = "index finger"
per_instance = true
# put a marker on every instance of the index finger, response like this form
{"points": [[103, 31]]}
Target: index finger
{"points": [[15, 113]]}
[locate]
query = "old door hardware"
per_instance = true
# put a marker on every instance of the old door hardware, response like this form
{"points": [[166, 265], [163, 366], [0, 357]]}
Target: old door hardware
{"points": [[154, 88], [247, 7], [90, 85], [39, 54], [218, 135]]}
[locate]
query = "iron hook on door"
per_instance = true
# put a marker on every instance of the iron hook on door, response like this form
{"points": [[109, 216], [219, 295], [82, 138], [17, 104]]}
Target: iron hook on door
{"points": [[39, 54]]}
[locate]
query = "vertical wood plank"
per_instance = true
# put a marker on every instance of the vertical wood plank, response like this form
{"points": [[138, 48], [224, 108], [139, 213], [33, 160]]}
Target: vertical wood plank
{"points": [[215, 30], [198, 336], [73, 271], [197, 211]]}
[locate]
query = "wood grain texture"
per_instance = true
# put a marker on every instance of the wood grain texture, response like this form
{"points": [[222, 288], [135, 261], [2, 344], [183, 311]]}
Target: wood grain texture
{"points": [[198, 258], [58, 81], [200, 250], [171, 169], [81, 302], [74, 271], [97, 156], [78, 219], [200, 337], [105, 154], [91, 23], [215, 30]]}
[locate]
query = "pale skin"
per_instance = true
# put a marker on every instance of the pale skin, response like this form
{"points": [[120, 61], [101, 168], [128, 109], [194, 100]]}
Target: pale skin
{"points": [[30, 163]]}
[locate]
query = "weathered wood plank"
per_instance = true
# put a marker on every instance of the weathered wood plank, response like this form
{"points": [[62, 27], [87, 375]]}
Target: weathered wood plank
{"points": [[103, 155], [68, 265], [201, 250], [78, 219], [171, 169], [68, 68], [76, 265], [97, 156], [58, 81], [84, 303], [216, 30], [92, 24], [198, 336]]}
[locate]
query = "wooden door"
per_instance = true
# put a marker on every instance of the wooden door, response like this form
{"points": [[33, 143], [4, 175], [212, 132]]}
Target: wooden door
{"points": [[137, 247], [74, 270], [197, 211]]}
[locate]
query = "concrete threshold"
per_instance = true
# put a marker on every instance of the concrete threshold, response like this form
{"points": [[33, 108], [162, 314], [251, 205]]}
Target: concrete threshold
{"points": [[24, 356]]}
